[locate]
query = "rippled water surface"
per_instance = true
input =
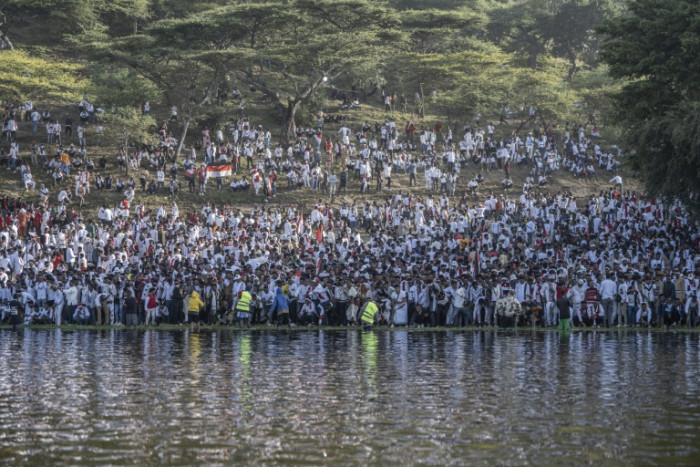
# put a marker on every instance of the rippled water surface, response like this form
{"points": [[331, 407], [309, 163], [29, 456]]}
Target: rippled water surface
{"points": [[344, 398]]}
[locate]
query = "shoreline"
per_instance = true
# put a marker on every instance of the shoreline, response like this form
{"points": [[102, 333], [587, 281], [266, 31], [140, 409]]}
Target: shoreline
{"points": [[264, 327]]}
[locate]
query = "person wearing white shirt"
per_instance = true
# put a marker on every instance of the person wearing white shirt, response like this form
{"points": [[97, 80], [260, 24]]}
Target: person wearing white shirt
{"points": [[617, 180], [576, 295], [608, 290], [399, 299], [160, 178], [71, 299], [458, 313], [41, 290]]}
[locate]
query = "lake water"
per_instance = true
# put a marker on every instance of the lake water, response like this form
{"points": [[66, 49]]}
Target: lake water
{"points": [[345, 398]]}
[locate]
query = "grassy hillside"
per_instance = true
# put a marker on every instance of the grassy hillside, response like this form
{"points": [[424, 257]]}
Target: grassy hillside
{"points": [[259, 113]]}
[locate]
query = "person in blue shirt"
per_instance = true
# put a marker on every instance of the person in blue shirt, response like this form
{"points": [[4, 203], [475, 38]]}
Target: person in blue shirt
{"points": [[280, 307]]}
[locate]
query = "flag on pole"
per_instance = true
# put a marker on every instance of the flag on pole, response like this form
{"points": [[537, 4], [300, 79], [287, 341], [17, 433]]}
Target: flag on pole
{"points": [[219, 170]]}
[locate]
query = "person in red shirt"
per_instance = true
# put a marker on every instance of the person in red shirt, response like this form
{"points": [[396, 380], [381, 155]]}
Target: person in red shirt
{"points": [[38, 218], [57, 260]]}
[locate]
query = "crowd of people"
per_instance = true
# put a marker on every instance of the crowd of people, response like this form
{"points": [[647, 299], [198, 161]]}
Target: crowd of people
{"points": [[443, 258], [618, 258]]}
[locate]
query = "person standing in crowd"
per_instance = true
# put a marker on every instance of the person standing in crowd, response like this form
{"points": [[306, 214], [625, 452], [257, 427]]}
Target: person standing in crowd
{"points": [[564, 305], [243, 306], [194, 307], [280, 309], [368, 314]]}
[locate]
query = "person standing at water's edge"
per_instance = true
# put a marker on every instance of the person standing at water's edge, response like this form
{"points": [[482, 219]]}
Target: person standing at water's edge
{"points": [[368, 314], [564, 306], [16, 311], [508, 309], [130, 308], [195, 304], [243, 308], [280, 307]]}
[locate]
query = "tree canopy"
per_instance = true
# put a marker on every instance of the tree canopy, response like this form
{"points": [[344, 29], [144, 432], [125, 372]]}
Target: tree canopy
{"points": [[654, 52], [475, 59]]}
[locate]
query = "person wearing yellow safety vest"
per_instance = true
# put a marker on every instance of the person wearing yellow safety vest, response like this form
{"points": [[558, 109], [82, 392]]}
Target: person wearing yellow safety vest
{"points": [[195, 305], [243, 308], [367, 315]]}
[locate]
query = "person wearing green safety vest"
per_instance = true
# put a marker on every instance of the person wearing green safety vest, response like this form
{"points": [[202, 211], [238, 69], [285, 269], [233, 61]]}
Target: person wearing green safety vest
{"points": [[243, 308], [369, 312]]}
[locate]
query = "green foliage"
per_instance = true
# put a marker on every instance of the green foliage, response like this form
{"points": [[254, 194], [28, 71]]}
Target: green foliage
{"points": [[479, 55], [654, 52], [121, 86], [563, 28], [129, 127], [25, 77], [284, 49], [546, 90], [74, 14], [432, 30], [594, 88]]}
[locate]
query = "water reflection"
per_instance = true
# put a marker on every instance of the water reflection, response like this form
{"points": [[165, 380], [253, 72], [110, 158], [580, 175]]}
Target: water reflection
{"points": [[87, 397]]}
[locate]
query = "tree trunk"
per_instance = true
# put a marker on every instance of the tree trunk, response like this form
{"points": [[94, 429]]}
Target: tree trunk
{"points": [[573, 68], [127, 156], [532, 54], [421, 109], [183, 134], [289, 126], [6, 40]]}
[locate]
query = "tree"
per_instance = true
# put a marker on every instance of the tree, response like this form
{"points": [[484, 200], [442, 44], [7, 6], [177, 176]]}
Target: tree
{"points": [[561, 28], [545, 91], [518, 27], [594, 88], [127, 126], [285, 50], [70, 15], [654, 52], [292, 49], [120, 86], [441, 31], [440, 51], [180, 57], [468, 84], [23, 77]]}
